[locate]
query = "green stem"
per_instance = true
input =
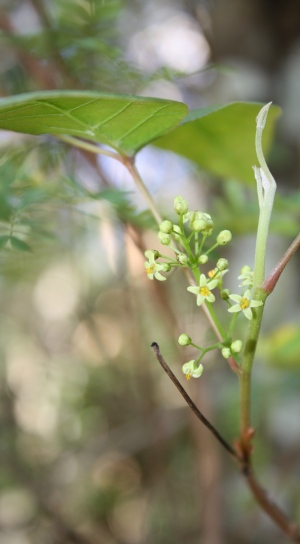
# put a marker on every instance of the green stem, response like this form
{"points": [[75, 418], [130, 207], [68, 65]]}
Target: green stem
{"points": [[142, 187], [126, 161], [266, 187], [209, 311], [247, 362], [215, 319], [90, 147], [232, 324], [261, 243]]}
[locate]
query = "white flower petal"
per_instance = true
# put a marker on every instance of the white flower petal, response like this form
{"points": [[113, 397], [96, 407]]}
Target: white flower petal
{"points": [[236, 298], [212, 284], [235, 308], [200, 300], [193, 289], [247, 313], [159, 277], [256, 303]]}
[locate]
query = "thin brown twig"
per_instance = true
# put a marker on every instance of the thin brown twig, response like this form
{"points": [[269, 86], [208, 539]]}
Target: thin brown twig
{"points": [[242, 454], [191, 404]]}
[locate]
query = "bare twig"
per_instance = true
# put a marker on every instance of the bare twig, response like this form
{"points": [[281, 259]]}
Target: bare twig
{"points": [[242, 454], [191, 404]]}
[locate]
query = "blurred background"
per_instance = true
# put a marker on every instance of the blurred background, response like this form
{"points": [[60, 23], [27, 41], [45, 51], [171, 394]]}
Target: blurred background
{"points": [[96, 444]]}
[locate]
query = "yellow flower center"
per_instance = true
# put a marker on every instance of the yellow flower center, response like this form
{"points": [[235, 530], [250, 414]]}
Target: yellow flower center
{"points": [[204, 291], [150, 269], [188, 377], [245, 303]]}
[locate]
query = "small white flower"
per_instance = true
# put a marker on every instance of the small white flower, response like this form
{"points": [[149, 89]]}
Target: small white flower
{"points": [[247, 277], [203, 290], [244, 304], [153, 269], [190, 370]]}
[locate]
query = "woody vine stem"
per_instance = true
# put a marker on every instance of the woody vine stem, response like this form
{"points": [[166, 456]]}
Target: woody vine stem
{"points": [[188, 240]]}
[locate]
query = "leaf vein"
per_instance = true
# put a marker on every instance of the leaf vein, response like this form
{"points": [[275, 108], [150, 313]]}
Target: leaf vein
{"points": [[95, 127], [132, 129]]}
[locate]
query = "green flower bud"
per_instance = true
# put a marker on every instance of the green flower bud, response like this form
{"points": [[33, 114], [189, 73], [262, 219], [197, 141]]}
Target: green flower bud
{"points": [[149, 253], [165, 267], [176, 232], [236, 346], [246, 269], [224, 237], [198, 225], [182, 258], [166, 226], [224, 294], [203, 259], [184, 340], [180, 205], [226, 353], [200, 222], [209, 227], [222, 264], [164, 238]]}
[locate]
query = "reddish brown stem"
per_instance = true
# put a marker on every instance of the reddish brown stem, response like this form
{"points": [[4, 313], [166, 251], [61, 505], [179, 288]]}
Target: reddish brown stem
{"points": [[242, 454], [271, 509], [272, 279]]}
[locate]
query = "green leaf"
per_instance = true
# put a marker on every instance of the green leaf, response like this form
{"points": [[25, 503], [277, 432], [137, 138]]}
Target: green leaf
{"points": [[281, 347], [126, 123], [16, 243], [221, 139], [3, 240]]}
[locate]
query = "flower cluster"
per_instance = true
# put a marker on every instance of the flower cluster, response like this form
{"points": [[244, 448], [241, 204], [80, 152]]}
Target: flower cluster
{"points": [[188, 241]]}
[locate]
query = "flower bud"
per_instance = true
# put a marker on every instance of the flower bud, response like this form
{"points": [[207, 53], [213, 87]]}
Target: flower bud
{"points": [[203, 259], [224, 237], [164, 238], [246, 269], [166, 226], [226, 353], [184, 340], [236, 346], [180, 205], [165, 267], [201, 222], [209, 226], [182, 258], [176, 232], [149, 253], [198, 225], [222, 264], [224, 294]]}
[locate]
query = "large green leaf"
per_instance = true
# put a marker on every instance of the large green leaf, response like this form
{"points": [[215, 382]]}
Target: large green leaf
{"points": [[221, 139], [125, 123]]}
